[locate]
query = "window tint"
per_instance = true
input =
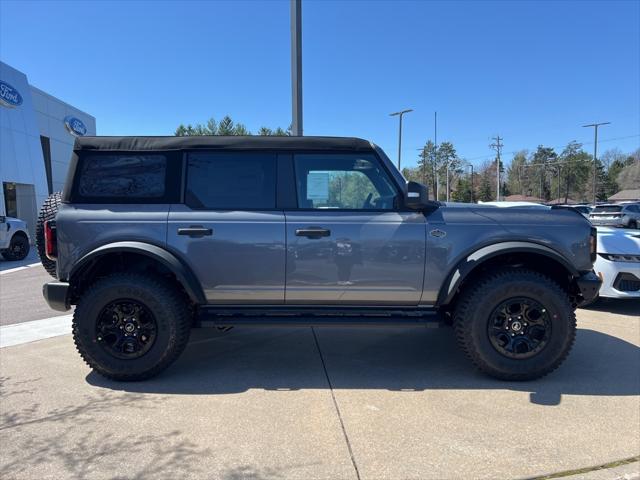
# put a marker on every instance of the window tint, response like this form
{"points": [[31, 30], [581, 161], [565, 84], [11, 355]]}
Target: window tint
{"points": [[607, 209], [122, 176], [342, 181], [231, 180]]}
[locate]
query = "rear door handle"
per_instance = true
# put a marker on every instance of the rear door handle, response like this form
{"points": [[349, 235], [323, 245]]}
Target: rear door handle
{"points": [[313, 232], [195, 231]]}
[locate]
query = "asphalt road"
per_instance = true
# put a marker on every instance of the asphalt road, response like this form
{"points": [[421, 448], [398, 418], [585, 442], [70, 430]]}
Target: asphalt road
{"points": [[21, 297]]}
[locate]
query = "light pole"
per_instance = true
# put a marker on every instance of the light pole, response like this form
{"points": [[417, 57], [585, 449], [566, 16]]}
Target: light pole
{"points": [[471, 190], [595, 153], [296, 67], [400, 113]]}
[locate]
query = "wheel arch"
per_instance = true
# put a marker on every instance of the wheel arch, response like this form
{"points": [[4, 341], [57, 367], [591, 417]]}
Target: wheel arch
{"points": [[518, 253], [107, 257]]}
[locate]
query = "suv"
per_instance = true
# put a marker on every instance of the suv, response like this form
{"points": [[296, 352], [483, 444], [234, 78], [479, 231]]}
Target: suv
{"points": [[626, 215], [14, 238], [156, 235]]}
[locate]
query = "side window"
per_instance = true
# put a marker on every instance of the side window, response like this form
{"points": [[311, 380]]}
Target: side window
{"points": [[342, 181], [231, 181], [122, 177]]}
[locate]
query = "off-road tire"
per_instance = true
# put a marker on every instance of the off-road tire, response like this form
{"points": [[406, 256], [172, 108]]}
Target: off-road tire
{"points": [[167, 304], [474, 309], [633, 224], [10, 254], [48, 211]]}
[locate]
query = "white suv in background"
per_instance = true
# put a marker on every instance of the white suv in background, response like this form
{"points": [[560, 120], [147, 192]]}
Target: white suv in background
{"points": [[618, 263], [14, 238], [625, 215]]}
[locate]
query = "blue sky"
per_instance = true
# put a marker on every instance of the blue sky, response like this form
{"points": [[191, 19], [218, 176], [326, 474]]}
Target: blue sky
{"points": [[532, 71]]}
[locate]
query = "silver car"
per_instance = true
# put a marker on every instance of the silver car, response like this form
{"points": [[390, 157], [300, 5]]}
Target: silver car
{"points": [[625, 215]]}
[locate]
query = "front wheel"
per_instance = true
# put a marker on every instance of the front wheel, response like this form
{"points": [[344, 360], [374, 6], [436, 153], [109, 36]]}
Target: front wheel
{"points": [[515, 324], [18, 248], [131, 326]]}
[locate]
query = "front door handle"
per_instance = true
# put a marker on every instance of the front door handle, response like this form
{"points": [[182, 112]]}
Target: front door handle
{"points": [[313, 232], [195, 231]]}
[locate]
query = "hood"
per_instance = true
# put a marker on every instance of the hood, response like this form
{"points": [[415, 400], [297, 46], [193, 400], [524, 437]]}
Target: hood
{"points": [[620, 241]]}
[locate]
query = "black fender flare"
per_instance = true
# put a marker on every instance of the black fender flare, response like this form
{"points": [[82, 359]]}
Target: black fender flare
{"points": [[182, 272], [476, 258]]}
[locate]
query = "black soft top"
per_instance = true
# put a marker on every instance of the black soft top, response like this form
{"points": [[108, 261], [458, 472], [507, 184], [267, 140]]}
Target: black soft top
{"points": [[221, 142]]}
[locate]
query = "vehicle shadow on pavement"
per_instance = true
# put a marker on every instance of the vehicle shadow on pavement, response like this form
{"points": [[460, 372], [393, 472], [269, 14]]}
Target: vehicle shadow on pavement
{"points": [[616, 306], [384, 358]]}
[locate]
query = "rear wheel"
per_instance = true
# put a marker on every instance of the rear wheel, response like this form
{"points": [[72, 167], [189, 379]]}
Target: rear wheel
{"points": [[515, 324], [18, 248], [48, 211], [131, 326]]}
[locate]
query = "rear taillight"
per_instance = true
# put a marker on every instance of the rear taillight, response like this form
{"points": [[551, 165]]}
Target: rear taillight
{"points": [[50, 239], [593, 244]]}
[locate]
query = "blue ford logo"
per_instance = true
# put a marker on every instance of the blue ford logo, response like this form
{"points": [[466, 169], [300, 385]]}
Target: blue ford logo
{"points": [[75, 126], [9, 96]]}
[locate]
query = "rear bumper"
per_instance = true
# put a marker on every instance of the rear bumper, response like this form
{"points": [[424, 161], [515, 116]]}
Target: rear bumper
{"points": [[608, 222], [57, 295], [589, 285]]}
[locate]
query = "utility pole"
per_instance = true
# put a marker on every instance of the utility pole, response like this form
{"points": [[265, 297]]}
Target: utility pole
{"points": [[435, 154], [497, 146], [296, 67], [595, 153], [400, 113]]}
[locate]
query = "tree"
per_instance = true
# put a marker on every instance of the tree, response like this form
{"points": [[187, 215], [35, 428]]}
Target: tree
{"points": [[226, 126], [517, 174], [449, 163], [573, 172], [486, 191], [428, 166], [542, 158]]}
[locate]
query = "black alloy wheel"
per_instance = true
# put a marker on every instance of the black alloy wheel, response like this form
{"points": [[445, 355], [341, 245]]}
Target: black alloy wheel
{"points": [[519, 328], [126, 329]]}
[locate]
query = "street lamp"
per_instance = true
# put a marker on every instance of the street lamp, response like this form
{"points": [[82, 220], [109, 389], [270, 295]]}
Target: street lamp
{"points": [[401, 113], [471, 191], [595, 153]]}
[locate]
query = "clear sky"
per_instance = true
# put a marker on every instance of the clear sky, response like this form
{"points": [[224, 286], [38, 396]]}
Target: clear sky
{"points": [[533, 72]]}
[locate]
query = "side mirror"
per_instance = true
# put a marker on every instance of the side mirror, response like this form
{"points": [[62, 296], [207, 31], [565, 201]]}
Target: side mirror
{"points": [[417, 196]]}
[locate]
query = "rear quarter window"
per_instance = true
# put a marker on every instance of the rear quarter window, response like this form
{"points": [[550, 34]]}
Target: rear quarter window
{"points": [[127, 178]]}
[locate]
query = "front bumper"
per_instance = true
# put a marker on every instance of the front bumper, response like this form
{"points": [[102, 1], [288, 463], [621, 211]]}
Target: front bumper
{"points": [[57, 295], [589, 285], [612, 273]]}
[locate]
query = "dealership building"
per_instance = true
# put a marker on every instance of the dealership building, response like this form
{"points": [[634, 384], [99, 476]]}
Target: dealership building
{"points": [[37, 132]]}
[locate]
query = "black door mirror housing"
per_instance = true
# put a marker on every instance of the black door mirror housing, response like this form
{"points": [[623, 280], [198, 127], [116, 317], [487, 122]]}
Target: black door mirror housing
{"points": [[417, 197]]}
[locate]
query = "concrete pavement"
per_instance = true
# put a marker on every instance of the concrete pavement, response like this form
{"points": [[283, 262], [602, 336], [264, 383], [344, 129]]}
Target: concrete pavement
{"points": [[368, 403]]}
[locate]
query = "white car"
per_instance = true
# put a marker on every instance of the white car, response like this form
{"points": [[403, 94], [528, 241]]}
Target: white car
{"points": [[14, 238], [618, 263]]}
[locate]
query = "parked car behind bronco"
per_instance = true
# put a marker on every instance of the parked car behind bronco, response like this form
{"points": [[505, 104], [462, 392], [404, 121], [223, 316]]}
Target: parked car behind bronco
{"points": [[156, 235], [14, 238]]}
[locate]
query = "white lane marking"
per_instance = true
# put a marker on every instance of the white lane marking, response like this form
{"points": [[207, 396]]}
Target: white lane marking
{"points": [[26, 332], [17, 269]]}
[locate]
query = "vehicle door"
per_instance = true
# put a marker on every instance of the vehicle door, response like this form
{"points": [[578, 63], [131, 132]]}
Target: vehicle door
{"points": [[348, 243], [228, 229]]}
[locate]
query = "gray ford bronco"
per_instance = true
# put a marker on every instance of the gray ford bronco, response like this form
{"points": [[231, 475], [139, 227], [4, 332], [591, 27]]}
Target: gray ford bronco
{"points": [[153, 236]]}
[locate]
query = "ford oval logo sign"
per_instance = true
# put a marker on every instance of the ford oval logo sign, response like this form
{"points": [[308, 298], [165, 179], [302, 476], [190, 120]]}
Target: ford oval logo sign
{"points": [[9, 96], [75, 126]]}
